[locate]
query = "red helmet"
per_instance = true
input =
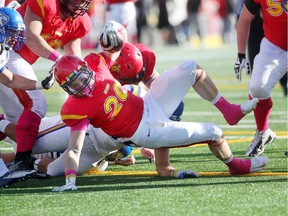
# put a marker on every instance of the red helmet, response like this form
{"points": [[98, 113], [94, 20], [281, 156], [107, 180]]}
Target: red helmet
{"points": [[74, 76], [129, 67], [74, 8]]}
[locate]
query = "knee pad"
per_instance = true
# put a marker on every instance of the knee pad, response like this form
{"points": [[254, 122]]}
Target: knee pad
{"points": [[190, 67]]}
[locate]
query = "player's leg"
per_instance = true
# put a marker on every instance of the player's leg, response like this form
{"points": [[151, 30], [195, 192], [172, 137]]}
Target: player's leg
{"points": [[206, 88], [269, 66], [34, 108], [171, 86], [236, 166]]}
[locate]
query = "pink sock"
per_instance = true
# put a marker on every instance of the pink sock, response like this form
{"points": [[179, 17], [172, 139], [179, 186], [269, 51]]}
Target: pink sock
{"points": [[27, 130], [231, 112], [239, 166], [261, 113]]}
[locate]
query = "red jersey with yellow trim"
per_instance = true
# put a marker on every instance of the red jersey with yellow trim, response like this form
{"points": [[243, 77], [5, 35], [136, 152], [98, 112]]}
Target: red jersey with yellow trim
{"points": [[149, 58], [112, 108], [55, 31], [118, 1], [275, 21]]}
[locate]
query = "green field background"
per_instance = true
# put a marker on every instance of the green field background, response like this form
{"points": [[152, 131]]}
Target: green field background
{"points": [[137, 190]]}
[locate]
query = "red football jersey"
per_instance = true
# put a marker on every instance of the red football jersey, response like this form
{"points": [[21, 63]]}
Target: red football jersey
{"points": [[275, 21], [149, 58], [118, 1], [112, 108], [55, 31]]}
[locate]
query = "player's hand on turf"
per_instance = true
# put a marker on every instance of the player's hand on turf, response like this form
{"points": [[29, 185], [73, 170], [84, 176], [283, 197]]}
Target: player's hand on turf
{"points": [[109, 31], [66, 187], [240, 64], [184, 174]]}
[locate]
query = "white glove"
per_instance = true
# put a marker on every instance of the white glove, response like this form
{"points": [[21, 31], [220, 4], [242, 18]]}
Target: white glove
{"points": [[240, 64], [109, 31], [113, 36], [66, 187], [184, 174]]}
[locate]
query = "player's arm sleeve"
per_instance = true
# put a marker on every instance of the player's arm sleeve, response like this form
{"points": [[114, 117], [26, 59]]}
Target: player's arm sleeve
{"points": [[252, 6]]}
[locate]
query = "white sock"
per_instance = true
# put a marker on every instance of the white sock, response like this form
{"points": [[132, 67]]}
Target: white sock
{"points": [[3, 168], [218, 96]]}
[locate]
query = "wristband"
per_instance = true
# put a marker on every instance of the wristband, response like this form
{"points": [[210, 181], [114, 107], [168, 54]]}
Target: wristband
{"points": [[70, 176], [174, 173], [54, 56], [38, 85], [241, 55]]}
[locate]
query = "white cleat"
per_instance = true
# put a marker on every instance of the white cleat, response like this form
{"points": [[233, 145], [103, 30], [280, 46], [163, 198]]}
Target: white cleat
{"points": [[248, 106], [258, 163], [260, 142]]}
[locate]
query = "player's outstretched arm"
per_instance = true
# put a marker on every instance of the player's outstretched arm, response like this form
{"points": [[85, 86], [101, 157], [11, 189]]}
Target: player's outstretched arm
{"points": [[71, 159], [165, 169], [15, 81]]}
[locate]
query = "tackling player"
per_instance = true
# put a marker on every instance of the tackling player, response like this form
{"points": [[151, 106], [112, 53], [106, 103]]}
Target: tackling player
{"points": [[12, 37], [270, 64], [52, 141], [50, 26], [140, 121]]}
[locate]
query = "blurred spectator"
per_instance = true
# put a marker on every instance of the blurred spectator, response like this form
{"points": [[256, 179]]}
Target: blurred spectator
{"points": [[226, 9], [190, 27], [141, 18], [96, 13], [166, 29]]}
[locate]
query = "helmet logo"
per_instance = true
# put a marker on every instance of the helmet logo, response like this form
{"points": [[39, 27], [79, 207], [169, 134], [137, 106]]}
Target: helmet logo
{"points": [[116, 67], [3, 20]]}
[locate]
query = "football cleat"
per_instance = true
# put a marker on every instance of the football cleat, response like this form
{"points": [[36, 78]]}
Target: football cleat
{"points": [[102, 165], [248, 106], [260, 142], [258, 163], [19, 172]]}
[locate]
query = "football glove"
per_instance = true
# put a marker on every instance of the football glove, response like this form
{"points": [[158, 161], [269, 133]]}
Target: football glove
{"points": [[110, 31], [240, 64], [181, 174], [66, 187], [48, 81]]}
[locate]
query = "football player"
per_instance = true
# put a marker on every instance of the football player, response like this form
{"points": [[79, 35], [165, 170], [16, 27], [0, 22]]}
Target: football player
{"points": [[12, 37], [49, 26], [52, 141], [140, 121], [270, 64]]}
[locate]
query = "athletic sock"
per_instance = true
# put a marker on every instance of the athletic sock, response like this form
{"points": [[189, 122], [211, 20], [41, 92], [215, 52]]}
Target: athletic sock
{"points": [[238, 166], [26, 133], [261, 114], [231, 112]]}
